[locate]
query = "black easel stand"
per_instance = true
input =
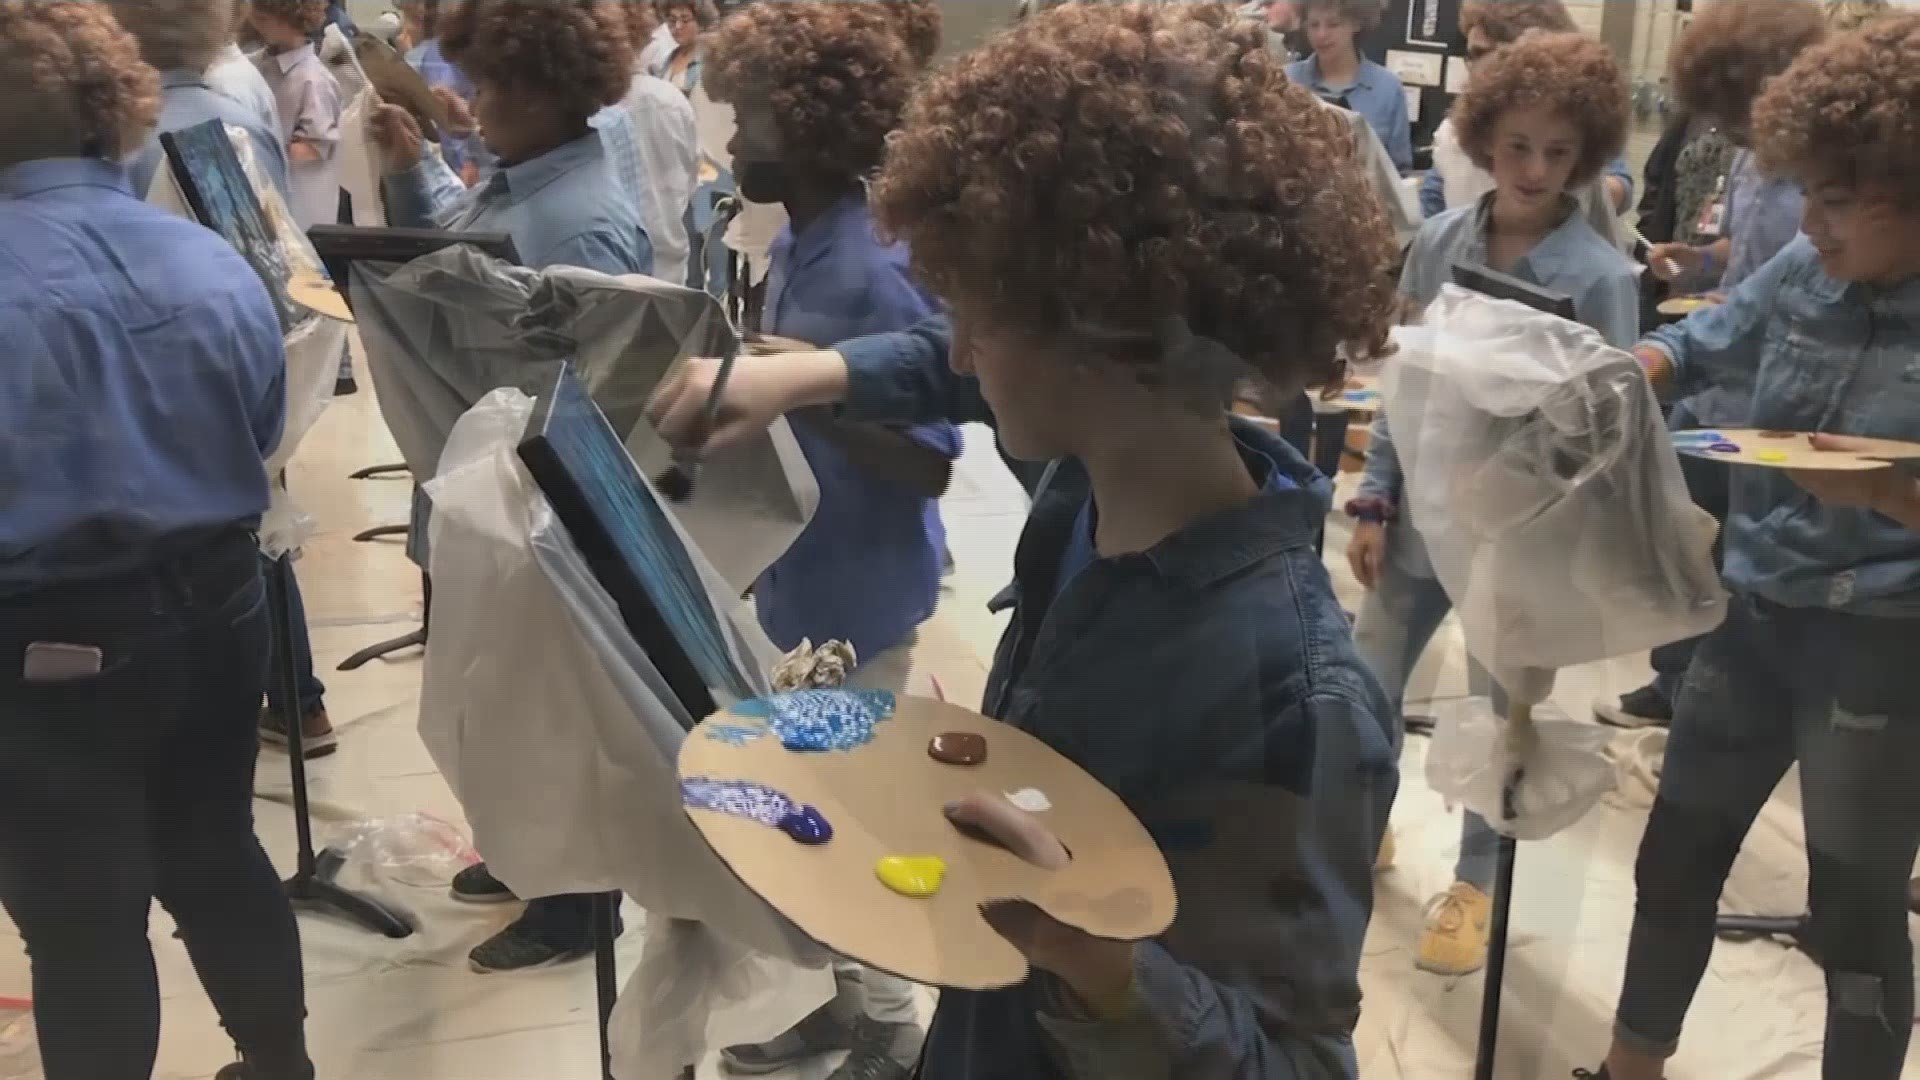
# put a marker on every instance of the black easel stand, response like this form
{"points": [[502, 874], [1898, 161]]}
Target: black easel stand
{"points": [[1794, 929], [379, 531], [312, 886], [606, 913], [1496, 960], [416, 639], [372, 471]]}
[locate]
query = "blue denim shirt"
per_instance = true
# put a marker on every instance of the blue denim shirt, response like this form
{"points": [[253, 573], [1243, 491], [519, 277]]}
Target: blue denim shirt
{"points": [[187, 100], [867, 568], [144, 379], [1821, 355], [566, 207], [1212, 683], [1376, 94], [1572, 259]]}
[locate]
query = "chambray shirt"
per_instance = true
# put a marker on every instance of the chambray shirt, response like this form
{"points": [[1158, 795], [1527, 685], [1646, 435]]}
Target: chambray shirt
{"points": [[563, 208], [1823, 355], [867, 568], [308, 103], [187, 100], [1572, 259], [654, 145], [1211, 683], [144, 381], [1376, 94]]}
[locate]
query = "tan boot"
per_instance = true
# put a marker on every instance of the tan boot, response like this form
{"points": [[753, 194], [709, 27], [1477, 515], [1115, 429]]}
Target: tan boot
{"points": [[1455, 941], [1384, 860]]}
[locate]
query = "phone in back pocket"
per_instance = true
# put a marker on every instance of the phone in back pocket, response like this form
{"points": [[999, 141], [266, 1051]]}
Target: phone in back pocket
{"points": [[53, 661]]}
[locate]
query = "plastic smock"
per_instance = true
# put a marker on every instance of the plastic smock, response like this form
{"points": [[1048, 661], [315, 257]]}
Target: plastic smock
{"points": [[445, 329], [560, 739], [1546, 489]]}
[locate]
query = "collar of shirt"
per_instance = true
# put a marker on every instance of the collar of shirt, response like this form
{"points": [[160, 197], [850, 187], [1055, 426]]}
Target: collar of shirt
{"points": [[293, 58], [30, 178], [518, 183], [173, 80], [1310, 76], [1551, 259], [816, 240]]}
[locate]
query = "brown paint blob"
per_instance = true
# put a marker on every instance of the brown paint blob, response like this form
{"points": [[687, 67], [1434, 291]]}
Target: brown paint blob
{"points": [[958, 748]]}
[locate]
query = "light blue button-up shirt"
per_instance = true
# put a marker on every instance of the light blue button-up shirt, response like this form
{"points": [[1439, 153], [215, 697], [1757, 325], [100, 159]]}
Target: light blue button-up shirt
{"points": [[1821, 355], [144, 380], [564, 208], [1376, 94], [1573, 259], [867, 568], [187, 100]]}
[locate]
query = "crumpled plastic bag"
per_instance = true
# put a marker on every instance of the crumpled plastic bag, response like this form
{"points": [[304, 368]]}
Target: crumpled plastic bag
{"points": [[1540, 475], [410, 849], [561, 741], [1557, 770]]}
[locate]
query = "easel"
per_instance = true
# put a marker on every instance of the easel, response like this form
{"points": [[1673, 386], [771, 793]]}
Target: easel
{"points": [[1519, 731]]}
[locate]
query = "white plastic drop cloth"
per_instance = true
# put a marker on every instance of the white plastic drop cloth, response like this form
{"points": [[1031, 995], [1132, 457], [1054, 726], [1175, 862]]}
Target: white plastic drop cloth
{"points": [[445, 329], [560, 739], [1542, 480]]}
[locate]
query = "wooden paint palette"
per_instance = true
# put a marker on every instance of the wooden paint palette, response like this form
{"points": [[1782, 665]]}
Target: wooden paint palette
{"points": [[318, 295], [1789, 450], [886, 799]]}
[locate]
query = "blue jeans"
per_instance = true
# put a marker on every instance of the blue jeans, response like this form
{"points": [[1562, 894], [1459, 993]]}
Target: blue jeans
{"points": [[1396, 624], [312, 691], [1707, 483], [136, 784], [1840, 695]]}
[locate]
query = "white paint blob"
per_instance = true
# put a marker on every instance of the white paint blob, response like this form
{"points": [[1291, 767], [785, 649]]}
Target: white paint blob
{"points": [[1032, 800]]}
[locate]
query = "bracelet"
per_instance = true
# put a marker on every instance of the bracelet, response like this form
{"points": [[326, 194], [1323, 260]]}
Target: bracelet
{"points": [[1372, 510]]}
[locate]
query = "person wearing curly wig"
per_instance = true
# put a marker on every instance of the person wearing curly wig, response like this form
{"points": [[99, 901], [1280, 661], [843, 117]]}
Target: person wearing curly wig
{"points": [[132, 610], [1720, 65], [1454, 181], [541, 70], [1338, 73], [1130, 208], [1543, 116], [1815, 662], [307, 100]]}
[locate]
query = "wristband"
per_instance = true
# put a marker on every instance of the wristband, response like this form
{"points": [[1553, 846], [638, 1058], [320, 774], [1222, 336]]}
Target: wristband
{"points": [[1372, 510]]}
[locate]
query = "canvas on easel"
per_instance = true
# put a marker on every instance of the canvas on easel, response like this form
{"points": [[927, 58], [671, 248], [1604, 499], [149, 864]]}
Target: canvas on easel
{"points": [[214, 185]]}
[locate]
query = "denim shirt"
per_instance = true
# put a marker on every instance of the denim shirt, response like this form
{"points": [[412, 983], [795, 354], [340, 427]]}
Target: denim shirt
{"points": [[144, 382], [866, 570], [1376, 94], [1212, 683], [564, 208], [187, 100], [1572, 259], [1821, 355]]}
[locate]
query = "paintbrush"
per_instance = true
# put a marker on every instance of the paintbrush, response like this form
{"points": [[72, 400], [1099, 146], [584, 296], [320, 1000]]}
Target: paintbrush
{"points": [[677, 482]]}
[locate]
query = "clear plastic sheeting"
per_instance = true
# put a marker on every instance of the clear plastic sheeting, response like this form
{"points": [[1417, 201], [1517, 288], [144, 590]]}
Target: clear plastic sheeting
{"points": [[1540, 475], [561, 740], [1562, 766], [447, 328], [418, 850]]}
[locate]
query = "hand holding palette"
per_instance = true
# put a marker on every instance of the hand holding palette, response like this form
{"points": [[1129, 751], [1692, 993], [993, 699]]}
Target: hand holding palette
{"points": [[1790, 450], [895, 883]]}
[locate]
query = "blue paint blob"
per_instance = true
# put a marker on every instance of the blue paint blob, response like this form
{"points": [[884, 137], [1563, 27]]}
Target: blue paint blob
{"points": [[753, 708], [734, 734], [807, 825], [1698, 437], [822, 720], [741, 798]]}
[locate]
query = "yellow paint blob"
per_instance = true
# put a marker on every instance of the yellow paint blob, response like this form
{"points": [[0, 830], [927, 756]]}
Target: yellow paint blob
{"points": [[1771, 457], [917, 876]]}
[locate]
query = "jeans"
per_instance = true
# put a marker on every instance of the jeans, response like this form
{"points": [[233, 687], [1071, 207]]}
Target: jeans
{"points": [[136, 784], [312, 691], [1396, 623], [1839, 694], [1707, 483]]}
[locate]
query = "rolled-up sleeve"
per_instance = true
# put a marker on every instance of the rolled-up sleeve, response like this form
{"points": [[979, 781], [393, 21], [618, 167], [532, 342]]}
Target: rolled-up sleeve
{"points": [[905, 378], [425, 196], [1723, 337], [316, 117]]}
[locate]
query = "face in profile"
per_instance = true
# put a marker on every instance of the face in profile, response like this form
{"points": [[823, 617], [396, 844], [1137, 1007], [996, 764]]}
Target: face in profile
{"points": [[1861, 236], [757, 160], [508, 120], [1031, 389], [1330, 32], [1534, 154]]}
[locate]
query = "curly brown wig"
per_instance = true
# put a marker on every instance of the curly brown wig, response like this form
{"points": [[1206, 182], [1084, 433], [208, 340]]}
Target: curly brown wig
{"points": [[72, 83], [1503, 21], [305, 16], [1730, 50], [177, 35], [1363, 15], [1129, 166], [1571, 74], [835, 75], [704, 13], [1849, 111], [576, 54], [919, 24], [1845, 15]]}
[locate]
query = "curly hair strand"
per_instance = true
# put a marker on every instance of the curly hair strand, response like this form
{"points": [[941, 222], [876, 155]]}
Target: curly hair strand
{"points": [[177, 35], [1572, 75], [577, 54], [1730, 50], [1849, 110], [1504, 21], [72, 83]]}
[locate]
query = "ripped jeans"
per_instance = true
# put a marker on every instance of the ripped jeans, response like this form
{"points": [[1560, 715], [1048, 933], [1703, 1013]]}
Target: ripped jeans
{"points": [[1840, 695]]}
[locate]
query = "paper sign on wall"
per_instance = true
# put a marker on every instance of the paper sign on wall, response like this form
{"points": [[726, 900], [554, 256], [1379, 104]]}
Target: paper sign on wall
{"points": [[1416, 68], [1414, 95], [1456, 74]]}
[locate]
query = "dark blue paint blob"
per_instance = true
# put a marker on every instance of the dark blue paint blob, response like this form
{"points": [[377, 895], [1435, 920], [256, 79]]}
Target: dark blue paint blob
{"points": [[1724, 448], [807, 825]]}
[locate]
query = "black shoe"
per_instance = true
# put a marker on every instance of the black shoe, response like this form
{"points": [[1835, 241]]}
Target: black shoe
{"points": [[881, 1052], [345, 387], [240, 1070], [477, 885], [514, 949], [1644, 708], [1584, 1074], [820, 1033]]}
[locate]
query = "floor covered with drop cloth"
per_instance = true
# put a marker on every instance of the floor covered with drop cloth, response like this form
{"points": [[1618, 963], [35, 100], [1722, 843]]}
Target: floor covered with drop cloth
{"points": [[412, 1010]]}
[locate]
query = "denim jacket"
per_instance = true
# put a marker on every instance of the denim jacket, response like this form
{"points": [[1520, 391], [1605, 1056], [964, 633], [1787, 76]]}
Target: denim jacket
{"points": [[1820, 355], [1211, 683]]}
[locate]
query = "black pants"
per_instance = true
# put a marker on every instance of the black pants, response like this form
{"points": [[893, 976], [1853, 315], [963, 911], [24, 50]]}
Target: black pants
{"points": [[136, 784]]}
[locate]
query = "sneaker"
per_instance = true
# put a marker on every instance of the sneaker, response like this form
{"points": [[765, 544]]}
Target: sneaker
{"points": [[345, 387], [477, 885], [1644, 708], [317, 739], [1384, 860], [1455, 941], [881, 1052], [516, 950], [822, 1032]]}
